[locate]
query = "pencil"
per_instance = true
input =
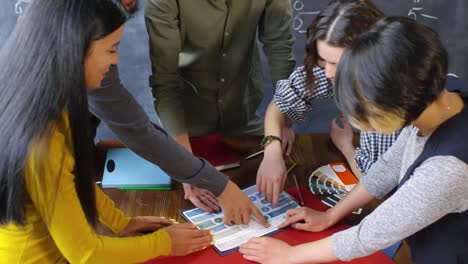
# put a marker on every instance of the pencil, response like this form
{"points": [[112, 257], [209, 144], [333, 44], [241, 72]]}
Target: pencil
{"points": [[299, 193]]}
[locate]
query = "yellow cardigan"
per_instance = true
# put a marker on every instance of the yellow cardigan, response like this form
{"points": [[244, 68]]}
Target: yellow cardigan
{"points": [[56, 229]]}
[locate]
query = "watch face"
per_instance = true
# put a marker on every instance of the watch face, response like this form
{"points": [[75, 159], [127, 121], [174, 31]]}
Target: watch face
{"points": [[265, 141]]}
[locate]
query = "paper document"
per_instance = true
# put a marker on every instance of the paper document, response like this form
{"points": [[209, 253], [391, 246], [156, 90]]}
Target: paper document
{"points": [[229, 237]]}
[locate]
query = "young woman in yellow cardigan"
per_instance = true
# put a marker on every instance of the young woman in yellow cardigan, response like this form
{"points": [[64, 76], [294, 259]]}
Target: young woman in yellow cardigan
{"points": [[49, 204]]}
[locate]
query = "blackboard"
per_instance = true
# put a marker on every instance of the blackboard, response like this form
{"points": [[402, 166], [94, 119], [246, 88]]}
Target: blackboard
{"points": [[134, 66], [447, 17]]}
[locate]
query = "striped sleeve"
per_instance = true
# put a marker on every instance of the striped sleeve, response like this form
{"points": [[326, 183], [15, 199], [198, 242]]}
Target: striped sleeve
{"points": [[372, 146], [294, 98]]}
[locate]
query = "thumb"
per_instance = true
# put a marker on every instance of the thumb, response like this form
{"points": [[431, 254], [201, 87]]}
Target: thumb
{"points": [[300, 226]]}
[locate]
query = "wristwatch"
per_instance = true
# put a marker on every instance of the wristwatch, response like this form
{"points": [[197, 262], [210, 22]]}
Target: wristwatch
{"points": [[268, 139]]}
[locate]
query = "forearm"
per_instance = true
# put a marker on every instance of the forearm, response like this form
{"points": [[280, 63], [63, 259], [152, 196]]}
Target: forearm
{"points": [[184, 141], [357, 198], [313, 252], [274, 123], [124, 116], [109, 215], [274, 120], [350, 158]]}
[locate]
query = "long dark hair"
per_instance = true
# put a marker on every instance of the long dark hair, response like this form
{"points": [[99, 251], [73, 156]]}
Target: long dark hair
{"points": [[391, 74], [338, 24], [41, 75]]}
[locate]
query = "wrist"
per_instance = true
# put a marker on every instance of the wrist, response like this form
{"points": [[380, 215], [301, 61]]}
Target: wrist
{"points": [[187, 187], [348, 151], [274, 149], [331, 217]]}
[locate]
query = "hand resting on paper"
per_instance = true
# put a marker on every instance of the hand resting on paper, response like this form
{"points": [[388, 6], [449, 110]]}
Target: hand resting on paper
{"points": [[186, 239], [237, 207], [266, 250], [201, 198], [307, 219], [145, 224]]}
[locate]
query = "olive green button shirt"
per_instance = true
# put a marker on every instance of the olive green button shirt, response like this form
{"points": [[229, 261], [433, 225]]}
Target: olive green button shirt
{"points": [[206, 70]]}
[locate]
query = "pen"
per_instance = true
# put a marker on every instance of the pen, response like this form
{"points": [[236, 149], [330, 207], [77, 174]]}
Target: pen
{"points": [[255, 154], [301, 200]]}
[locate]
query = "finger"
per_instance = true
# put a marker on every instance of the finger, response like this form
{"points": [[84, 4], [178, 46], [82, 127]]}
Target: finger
{"points": [[245, 216], [261, 185], [259, 179], [208, 202], [248, 248], [259, 216], [238, 217], [188, 226], [254, 240], [200, 242], [275, 194], [291, 220], [289, 149], [162, 221], [202, 234], [292, 212], [214, 201], [284, 145], [334, 124], [228, 217], [199, 204], [252, 258], [269, 192], [300, 226]]}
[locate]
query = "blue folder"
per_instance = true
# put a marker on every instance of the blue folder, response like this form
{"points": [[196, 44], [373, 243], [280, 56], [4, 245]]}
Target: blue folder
{"points": [[124, 169]]}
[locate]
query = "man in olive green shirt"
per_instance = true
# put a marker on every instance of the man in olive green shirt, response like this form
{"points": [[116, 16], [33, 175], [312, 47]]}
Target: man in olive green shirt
{"points": [[206, 70]]}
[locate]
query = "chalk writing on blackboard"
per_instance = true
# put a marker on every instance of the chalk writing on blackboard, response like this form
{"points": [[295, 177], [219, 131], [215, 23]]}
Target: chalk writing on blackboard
{"points": [[418, 11], [19, 6], [301, 16]]}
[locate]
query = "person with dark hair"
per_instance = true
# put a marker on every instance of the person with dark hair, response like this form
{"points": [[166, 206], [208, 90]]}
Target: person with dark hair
{"points": [[332, 30], [211, 190], [206, 69], [394, 77], [49, 203]]}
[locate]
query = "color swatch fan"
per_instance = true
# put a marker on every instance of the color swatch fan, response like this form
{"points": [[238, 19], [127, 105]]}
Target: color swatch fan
{"points": [[332, 182]]}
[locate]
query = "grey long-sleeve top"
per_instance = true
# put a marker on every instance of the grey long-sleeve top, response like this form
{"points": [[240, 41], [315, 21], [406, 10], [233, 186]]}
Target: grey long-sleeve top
{"points": [[117, 108], [438, 187]]}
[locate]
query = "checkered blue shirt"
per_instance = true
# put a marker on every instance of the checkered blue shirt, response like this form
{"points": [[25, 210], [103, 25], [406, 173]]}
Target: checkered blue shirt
{"points": [[295, 102]]}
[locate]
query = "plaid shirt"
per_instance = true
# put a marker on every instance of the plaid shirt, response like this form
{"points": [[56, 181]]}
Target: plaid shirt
{"points": [[295, 102]]}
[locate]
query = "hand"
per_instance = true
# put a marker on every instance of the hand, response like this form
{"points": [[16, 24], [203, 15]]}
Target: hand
{"points": [[237, 207], [145, 224], [314, 221], [342, 137], [201, 198], [186, 239], [266, 250], [272, 173], [288, 139]]}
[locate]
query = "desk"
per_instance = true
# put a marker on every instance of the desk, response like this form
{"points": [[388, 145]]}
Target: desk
{"points": [[310, 151]]}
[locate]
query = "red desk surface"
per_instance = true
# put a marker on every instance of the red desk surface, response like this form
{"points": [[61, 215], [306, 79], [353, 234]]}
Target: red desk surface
{"points": [[291, 236]]}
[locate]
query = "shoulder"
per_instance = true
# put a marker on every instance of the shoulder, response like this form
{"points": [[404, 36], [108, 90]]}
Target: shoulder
{"points": [[51, 153]]}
